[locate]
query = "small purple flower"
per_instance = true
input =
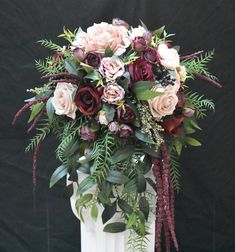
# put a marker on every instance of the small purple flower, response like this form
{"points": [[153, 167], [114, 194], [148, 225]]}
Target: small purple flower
{"points": [[139, 44], [125, 131], [93, 59], [87, 134], [78, 54], [150, 55], [114, 127], [188, 112]]}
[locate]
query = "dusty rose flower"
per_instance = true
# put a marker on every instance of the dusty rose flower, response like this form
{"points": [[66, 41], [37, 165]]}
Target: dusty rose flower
{"points": [[169, 57], [114, 127], [150, 55], [93, 59], [100, 36], [137, 32], [164, 104], [125, 131], [120, 22], [102, 118], [113, 93], [139, 44], [78, 54], [111, 68], [87, 134], [62, 100]]}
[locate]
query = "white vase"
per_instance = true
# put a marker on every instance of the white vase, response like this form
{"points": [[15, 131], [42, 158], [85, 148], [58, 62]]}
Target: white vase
{"points": [[93, 239]]}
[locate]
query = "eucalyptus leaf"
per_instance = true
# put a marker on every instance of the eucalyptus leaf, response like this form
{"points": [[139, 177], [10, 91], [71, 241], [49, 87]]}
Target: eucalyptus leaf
{"points": [[130, 186], [50, 110], [141, 183], [144, 207], [115, 227], [143, 137], [86, 184], [94, 75], [147, 95], [116, 177], [126, 208], [84, 199], [192, 141], [58, 174], [109, 212], [122, 154], [141, 86], [36, 109], [70, 66]]}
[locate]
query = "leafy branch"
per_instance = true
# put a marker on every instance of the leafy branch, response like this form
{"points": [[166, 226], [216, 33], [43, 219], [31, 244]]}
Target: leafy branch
{"points": [[49, 45]]}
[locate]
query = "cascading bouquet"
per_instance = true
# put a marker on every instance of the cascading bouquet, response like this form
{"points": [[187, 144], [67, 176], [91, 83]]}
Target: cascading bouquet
{"points": [[117, 101]]}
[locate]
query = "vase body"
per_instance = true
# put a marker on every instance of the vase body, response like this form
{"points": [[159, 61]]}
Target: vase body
{"points": [[93, 239]]}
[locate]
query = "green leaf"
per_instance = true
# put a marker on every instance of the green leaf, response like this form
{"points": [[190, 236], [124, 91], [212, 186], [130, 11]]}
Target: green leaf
{"points": [[141, 183], [195, 124], [70, 66], [152, 184], [109, 212], [116, 177], [50, 110], [141, 86], [122, 153], [109, 111], [58, 174], [192, 141], [104, 198], [150, 150], [87, 68], [84, 200], [108, 52], [143, 137], [144, 25], [126, 208], [86, 184], [94, 212], [115, 227], [131, 186], [159, 31], [94, 75], [35, 111], [178, 147], [131, 220], [147, 95], [144, 207]]}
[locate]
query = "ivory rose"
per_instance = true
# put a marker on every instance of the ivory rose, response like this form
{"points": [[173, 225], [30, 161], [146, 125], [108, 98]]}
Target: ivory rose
{"points": [[100, 36], [111, 68], [164, 104], [137, 32], [169, 57], [113, 93], [62, 100]]}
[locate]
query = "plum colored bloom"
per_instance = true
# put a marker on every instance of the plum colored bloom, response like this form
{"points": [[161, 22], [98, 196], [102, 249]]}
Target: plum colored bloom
{"points": [[126, 114], [139, 44], [88, 100], [62, 100], [111, 68], [164, 104], [150, 55], [93, 59], [87, 134], [100, 36], [113, 93], [125, 131], [114, 127], [169, 57]]}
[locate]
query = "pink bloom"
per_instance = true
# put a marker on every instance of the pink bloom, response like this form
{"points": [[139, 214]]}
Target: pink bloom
{"points": [[125, 131], [113, 93], [102, 118], [111, 68], [114, 127], [169, 57], [87, 134]]}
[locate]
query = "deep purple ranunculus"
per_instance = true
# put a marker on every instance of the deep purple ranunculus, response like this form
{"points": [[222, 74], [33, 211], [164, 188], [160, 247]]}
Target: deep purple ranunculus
{"points": [[126, 114], [150, 55], [125, 131], [87, 134], [141, 70], [139, 44], [93, 59]]}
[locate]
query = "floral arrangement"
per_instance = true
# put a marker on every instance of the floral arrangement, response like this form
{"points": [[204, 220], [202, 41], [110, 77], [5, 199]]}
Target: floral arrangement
{"points": [[116, 99]]}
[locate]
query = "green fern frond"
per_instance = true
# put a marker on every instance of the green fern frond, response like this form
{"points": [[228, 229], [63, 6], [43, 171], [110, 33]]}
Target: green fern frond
{"points": [[49, 45], [43, 130], [68, 35], [49, 66], [200, 103], [136, 242], [199, 65]]}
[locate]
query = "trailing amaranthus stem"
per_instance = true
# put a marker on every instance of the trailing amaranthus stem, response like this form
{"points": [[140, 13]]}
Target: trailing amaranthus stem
{"points": [[191, 56], [201, 76], [72, 81], [34, 166], [61, 75], [36, 120], [27, 106]]}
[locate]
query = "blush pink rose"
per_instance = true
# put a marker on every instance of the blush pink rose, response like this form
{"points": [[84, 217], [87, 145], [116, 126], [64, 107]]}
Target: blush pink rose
{"points": [[113, 93], [164, 104], [62, 100], [169, 57], [111, 68], [100, 36]]}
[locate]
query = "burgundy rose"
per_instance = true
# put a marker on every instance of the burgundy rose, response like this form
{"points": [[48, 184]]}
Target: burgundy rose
{"points": [[173, 126], [93, 59], [139, 44], [87, 100], [150, 55], [87, 134], [141, 70], [78, 54], [126, 115], [125, 131]]}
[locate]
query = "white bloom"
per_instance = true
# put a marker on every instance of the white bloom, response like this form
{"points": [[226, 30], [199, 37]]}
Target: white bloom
{"points": [[137, 32]]}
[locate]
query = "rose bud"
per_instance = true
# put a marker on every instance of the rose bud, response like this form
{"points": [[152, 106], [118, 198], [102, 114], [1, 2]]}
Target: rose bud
{"points": [[120, 22], [114, 127], [78, 54], [139, 44], [150, 55], [87, 134], [102, 118], [93, 59], [173, 126], [126, 114], [125, 131], [141, 70], [188, 112]]}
